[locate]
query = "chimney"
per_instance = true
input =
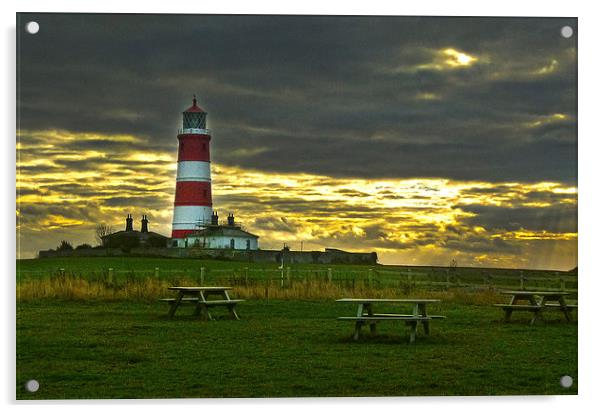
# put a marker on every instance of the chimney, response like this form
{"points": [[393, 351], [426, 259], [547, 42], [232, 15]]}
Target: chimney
{"points": [[231, 219], [129, 223], [144, 227], [214, 218]]}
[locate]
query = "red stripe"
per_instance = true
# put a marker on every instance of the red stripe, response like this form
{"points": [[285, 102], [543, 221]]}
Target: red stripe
{"points": [[181, 233], [193, 193], [193, 147]]}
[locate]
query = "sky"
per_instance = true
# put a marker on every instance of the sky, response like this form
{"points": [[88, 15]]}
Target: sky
{"points": [[424, 139]]}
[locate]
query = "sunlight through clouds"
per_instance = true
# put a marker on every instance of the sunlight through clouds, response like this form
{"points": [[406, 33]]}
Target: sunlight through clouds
{"points": [[456, 58], [448, 59], [401, 219], [423, 140]]}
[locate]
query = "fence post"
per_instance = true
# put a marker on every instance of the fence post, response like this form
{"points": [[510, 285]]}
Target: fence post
{"points": [[267, 290], [562, 284], [156, 272], [202, 276], [110, 275], [288, 276], [246, 275], [330, 275], [447, 278], [370, 277], [522, 281]]}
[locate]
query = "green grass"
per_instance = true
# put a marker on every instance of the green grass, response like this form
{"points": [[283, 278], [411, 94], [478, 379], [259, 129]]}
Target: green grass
{"points": [[128, 263], [283, 348], [148, 264], [384, 275]]}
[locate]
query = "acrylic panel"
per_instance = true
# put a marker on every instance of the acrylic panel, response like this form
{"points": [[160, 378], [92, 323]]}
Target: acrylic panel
{"points": [[217, 206]]}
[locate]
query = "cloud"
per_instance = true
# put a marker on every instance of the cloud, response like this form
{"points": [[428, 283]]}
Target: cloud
{"points": [[420, 138], [324, 100], [557, 218]]}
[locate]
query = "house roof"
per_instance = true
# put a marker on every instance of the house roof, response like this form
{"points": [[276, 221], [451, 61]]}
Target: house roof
{"points": [[222, 230], [138, 234]]}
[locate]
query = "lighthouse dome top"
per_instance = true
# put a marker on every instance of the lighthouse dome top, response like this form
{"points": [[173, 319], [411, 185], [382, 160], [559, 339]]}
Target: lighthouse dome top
{"points": [[194, 119], [194, 108]]}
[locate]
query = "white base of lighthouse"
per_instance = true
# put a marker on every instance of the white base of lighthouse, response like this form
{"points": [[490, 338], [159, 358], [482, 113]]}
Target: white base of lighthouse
{"points": [[190, 218]]}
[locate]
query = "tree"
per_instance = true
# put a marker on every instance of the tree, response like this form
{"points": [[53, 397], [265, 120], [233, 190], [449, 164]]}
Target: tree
{"points": [[65, 246], [83, 247], [102, 230]]}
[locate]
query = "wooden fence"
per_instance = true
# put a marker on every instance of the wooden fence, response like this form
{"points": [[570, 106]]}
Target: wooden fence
{"points": [[374, 277]]}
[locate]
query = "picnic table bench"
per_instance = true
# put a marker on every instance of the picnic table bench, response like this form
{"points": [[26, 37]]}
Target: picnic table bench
{"points": [[535, 305], [366, 315], [198, 296]]}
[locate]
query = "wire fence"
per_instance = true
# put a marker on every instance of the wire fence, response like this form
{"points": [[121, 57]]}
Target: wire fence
{"points": [[289, 277]]}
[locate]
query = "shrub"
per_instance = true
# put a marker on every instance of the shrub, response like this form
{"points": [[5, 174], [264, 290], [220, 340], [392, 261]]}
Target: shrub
{"points": [[65, 246]]}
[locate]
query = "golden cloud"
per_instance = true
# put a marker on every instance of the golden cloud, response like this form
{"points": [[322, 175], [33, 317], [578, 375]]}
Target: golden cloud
{"points": [[405, 220], [545, 120], [449, 58]]}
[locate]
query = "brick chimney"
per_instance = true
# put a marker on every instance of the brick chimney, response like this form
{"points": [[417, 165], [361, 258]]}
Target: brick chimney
{"points": [[144, 227], [129, 223]]}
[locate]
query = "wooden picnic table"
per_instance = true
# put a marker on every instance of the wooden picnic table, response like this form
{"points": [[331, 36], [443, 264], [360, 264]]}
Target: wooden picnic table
{"points": [[547, 300], [199, 297], [366, 315]]}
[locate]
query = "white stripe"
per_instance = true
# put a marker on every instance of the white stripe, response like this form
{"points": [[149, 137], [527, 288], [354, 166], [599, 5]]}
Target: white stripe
{"points": [[194, 171], [191, 216]]}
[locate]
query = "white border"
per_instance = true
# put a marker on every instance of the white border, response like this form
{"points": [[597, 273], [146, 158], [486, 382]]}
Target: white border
{"points": [[589, 189]]}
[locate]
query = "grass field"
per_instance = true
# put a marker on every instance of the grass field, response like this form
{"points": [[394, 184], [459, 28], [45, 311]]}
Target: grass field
{"points": [[129, 349], [175, 269], [87, 332], [89, 264], [78, 264]]}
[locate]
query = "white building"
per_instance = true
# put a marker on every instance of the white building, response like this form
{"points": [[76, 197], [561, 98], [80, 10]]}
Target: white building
{"points": [[222, 237], [216, 236]]}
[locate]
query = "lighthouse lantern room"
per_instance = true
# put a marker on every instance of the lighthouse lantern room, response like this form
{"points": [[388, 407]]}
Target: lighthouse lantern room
{"points": [[192, 206]]}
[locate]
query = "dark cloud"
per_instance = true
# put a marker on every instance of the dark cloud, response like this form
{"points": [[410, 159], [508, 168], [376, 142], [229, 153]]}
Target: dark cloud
{"points": [[557, 218], [329, 95], [481, 244], [339, 102], [275, 224]]}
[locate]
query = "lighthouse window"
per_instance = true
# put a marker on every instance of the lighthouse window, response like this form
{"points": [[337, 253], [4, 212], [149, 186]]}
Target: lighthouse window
{"points": [[194, 120]]}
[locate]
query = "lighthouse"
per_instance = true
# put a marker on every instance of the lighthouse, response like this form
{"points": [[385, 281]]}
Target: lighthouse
{"points": [[192, 206]]}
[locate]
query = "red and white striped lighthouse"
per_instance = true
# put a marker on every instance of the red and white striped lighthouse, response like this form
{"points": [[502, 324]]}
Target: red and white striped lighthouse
{"points": [[192, 206]]}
